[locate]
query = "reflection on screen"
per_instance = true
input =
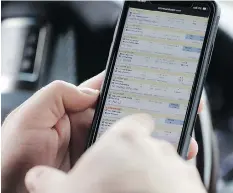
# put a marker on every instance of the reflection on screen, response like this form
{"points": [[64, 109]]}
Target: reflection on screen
{"points": [[155, 69]]}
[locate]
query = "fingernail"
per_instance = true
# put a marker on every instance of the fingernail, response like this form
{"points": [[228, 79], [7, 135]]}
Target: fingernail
{"points": [[89, 91]]}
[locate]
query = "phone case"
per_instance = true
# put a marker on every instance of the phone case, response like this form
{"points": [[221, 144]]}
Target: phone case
{"points": [[184, 143]]}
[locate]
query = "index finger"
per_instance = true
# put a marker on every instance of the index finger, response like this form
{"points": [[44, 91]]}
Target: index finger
{"points": [[49, 104]]}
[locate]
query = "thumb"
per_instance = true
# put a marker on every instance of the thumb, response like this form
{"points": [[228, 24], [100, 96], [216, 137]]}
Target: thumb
{"points": [[43, 179]]}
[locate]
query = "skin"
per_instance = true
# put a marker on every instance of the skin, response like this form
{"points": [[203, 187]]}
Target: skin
{"points": [[50, 129], [125, 160]]}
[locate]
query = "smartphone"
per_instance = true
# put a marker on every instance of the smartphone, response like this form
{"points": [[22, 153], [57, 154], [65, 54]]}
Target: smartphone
{"points": [[157, 64]]}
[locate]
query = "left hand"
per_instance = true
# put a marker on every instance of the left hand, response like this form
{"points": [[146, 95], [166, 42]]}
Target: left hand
{"points": [[50, 128], [42, 130]]}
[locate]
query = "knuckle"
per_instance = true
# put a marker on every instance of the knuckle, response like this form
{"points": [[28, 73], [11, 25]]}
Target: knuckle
{"points": [[58, 84]]}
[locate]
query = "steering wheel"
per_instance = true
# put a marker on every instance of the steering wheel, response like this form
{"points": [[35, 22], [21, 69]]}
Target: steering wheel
{"points": [[89, 25]]}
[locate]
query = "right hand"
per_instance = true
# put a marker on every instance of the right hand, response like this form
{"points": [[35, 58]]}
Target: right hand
{"points": [[126, 159]]}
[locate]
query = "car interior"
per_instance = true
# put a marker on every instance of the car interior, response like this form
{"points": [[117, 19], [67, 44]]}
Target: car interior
{"points": [[70, 41]]}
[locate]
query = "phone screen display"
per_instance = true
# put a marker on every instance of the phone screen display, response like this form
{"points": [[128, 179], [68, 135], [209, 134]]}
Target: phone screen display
{"points": [[155, 68]]}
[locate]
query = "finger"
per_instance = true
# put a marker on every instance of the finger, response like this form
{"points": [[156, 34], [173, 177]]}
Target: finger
{"points": [[69, 97], [81, 121], [94, 82], [80, 124], [128, 129], [201, 106], [54, 100], [193, 149], [63, 131], [43, 179], [137, 125]]}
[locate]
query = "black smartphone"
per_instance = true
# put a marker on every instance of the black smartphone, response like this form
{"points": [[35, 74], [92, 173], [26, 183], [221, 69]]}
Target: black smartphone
{"points": [[157, 65]]}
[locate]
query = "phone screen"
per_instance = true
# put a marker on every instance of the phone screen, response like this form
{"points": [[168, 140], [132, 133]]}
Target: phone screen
{"points": [[155, 67]]}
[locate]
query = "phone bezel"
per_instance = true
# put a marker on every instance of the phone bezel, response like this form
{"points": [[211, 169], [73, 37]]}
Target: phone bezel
{"points": [[198, 80]]}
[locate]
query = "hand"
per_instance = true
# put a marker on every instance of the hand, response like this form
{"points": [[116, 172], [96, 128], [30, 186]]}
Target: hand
{"points": [[126, 159], [50, 129], [43, 130]]}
